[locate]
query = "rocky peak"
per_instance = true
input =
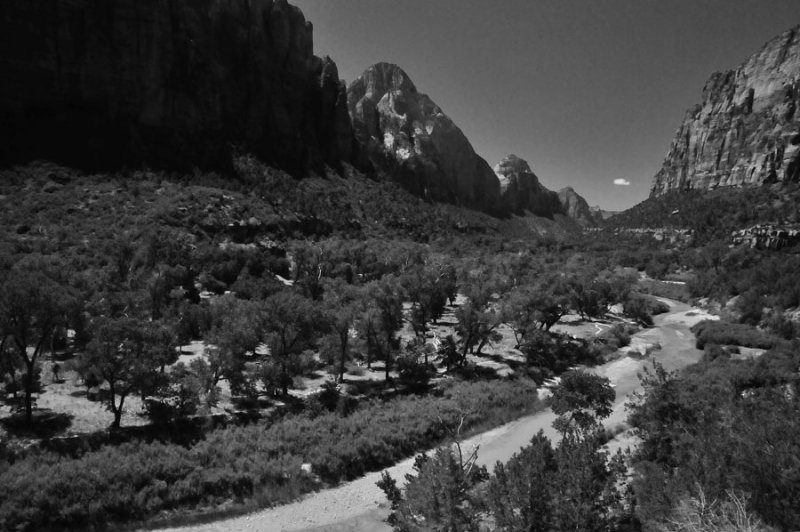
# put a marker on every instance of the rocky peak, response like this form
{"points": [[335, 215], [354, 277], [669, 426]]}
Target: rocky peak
{"points": [[746, 130], [169, 84], [576, 207], [521, 190], [409, 138]]}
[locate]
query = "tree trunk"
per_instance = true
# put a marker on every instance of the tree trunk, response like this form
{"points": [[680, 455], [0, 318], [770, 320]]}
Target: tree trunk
{"points": [[342, 359], [28, 381]]}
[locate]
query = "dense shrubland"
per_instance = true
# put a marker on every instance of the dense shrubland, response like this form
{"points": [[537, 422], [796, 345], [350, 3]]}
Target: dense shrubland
{"points": [[723, 429], [257, 465]]}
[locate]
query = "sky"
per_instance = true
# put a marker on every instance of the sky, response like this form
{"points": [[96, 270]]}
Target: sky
{"points": [[589, 92]]}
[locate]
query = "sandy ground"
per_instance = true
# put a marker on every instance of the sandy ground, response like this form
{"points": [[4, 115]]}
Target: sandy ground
{"points": [[361, 506]]}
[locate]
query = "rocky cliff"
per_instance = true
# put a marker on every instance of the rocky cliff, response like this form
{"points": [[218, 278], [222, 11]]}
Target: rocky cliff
{"points": [[176, 84], [576, 207], [521, 190], [408, 137], [747, 128]]}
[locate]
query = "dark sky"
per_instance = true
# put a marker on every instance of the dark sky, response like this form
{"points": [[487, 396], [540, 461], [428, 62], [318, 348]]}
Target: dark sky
{"points": [[587, 91]]}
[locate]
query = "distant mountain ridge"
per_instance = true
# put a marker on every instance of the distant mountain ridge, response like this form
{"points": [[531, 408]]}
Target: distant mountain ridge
{"points": [[747, 128], [104, 85], [409, 138], [521, 190]]}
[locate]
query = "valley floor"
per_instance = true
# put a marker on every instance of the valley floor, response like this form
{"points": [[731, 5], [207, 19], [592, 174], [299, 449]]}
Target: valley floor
{"points": [[361, 506]]}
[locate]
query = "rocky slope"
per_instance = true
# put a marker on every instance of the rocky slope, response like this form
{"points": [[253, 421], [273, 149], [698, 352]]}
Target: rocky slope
{"points": [[408, 137], [521, 190], [576, 207], [747, 128], [171, 84]]}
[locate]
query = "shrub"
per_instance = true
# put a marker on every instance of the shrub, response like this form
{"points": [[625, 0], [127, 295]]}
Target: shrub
{"points": [[724, 333], [134, 481]]}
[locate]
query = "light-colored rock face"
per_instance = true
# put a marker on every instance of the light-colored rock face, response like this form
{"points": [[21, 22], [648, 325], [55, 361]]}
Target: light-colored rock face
{"points": [[521, 190], [747, 128], [576, 207], [168, 83], [407, 136]]}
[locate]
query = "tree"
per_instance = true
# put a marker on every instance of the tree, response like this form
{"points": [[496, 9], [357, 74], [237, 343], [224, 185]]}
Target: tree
{"points": [[478, 318], [341, 303], [33, 306], [581, 401], [440, 494], [127, 354], [233, 334], [519, 311], [552, 302], [382, 320], [476, 326], [519, 494], [572, 487], [428, 287], [288, 324]]}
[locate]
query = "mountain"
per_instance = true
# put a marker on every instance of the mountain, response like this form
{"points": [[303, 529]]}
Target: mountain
{"points": [[408, 137], [521, 190], [576, 207], [602, 214], [747, 128], [178, 84]]}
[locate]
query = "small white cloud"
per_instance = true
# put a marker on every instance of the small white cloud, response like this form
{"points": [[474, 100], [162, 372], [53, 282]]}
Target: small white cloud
{"points": [[622, 182]]}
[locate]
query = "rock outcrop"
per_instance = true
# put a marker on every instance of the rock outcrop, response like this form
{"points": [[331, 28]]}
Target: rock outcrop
{"points": [[747, 128], [409, 138], [178, 84], [576, 207], [521, 190]]}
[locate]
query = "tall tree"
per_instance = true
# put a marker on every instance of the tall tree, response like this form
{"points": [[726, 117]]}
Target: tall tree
{"points": [[33, 306], [341, 303], [289, 325], [383, 318], [127, 354]]}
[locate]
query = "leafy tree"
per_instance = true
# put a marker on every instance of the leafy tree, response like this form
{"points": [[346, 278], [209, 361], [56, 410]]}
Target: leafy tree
{"points": [[381, 321], [552, 301], [476, 327], [581, 401], [126, 353], [572, 487], [440, 494], [448, 353], [428, 287], [478, 318], [33, 307], [232, 335], [636, 307], [519, 311], [289, 324], [341, 303], [519, 494]]}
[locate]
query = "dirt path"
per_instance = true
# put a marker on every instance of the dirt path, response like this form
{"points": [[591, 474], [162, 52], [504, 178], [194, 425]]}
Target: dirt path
{"points": [[361, 506]]}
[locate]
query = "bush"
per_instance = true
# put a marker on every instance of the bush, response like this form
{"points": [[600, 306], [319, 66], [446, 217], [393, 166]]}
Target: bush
{"points": [[135, 481], [724, 333]]}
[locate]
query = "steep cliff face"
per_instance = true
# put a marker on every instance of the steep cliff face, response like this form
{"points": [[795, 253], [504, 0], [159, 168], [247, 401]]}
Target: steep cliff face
{"points": [[747, 128], [576, 207], [407, 136], [176, 84], [521, 190]]}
